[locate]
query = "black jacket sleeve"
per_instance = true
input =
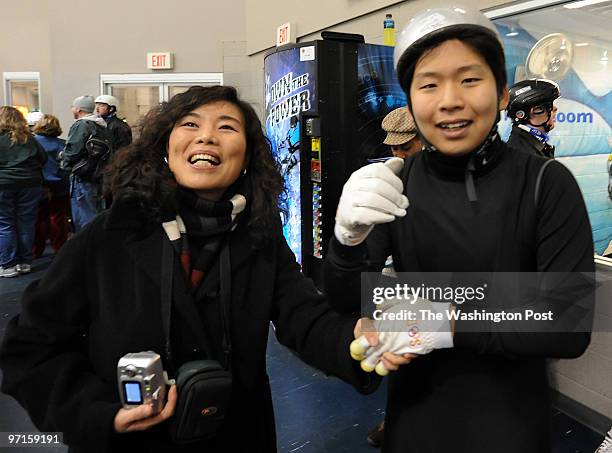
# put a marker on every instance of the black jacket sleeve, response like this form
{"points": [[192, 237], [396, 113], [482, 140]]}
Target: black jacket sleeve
{"points": [[565, 258], [305, 322], [44, 354], [343, 266]]}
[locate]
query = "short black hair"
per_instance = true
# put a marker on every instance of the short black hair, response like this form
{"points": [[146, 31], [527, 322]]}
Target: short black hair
{"points": [[481, 40]]}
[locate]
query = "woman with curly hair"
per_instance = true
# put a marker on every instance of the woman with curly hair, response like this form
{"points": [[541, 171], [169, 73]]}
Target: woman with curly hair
{"points": [[21, 161], [195, 228]]}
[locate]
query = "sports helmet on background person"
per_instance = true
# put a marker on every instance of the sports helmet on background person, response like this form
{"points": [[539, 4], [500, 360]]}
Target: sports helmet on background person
{"points": [[112, 101], [528, 94]]}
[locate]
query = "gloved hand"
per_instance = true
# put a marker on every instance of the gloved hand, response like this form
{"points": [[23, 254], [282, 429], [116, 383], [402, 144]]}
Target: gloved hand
{"points": [[372, 195], [419, 336]]}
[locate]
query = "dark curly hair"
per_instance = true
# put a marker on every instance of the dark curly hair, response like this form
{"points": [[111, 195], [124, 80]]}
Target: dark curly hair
{"points": [[140, 173]]}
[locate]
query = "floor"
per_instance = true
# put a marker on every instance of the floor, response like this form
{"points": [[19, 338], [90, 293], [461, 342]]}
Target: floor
{"points": [[333, 417]]}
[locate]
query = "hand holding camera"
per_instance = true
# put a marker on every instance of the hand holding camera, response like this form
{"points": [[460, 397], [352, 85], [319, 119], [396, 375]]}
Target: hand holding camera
{"points": [[142, 389], [144, 416], [201, 407], [372, 195]]}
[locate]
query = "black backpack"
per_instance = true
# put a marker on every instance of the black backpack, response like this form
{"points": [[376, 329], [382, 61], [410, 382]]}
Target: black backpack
{"points": [[95, 155]]}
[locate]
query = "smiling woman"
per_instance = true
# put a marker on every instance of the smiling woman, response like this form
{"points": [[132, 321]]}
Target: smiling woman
{"points": [[190, 262], [207, 149], [207, 140]]}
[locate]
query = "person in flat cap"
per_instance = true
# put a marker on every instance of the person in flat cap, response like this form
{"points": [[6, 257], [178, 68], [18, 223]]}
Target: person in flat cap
{"points": [[401, 133]]}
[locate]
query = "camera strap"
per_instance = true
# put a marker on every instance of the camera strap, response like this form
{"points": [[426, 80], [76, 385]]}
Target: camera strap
{"points": [[166, 295], [226, 297], [167, 273]]}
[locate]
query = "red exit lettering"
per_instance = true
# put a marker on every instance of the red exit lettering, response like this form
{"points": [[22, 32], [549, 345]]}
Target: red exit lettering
{"points": [[158, 60], [282, 35]]}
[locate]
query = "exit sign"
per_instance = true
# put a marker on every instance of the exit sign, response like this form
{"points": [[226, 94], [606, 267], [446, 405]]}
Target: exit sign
{"points": [[285, 34], [159, 60]]}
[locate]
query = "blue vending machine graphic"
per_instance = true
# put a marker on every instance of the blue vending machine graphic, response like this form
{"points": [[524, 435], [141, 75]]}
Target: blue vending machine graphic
{"points": [[324, 104], [290, 91]]}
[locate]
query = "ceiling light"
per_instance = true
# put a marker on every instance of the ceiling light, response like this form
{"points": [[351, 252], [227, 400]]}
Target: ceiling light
{"points": [[512, 32], [582, 3], [460, 10], [604, 58], [581, 44]]}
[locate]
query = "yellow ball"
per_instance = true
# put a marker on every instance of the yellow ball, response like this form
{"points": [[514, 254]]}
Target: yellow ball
{"points": [[381, 370], [365, 366], [356, 348], [358, 357]]}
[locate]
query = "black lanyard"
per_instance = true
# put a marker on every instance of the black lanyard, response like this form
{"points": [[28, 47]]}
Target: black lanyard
{"points": [[167, 269]]}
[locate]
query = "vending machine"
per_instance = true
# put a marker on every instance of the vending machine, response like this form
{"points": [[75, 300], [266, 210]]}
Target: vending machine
{"points": [[324, 104]]}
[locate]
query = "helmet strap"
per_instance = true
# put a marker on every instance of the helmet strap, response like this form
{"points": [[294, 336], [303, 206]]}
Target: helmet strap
{"points": [[537, 133]]}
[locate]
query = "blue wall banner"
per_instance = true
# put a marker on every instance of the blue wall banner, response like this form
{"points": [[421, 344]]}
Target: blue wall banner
{"points": [[582, 134]]}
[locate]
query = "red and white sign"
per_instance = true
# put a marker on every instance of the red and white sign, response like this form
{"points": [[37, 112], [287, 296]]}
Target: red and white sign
{"points": [[159, 60], [285, 34]]}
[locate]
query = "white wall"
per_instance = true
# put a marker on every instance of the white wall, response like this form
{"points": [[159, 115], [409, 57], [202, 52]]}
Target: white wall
{"points": [[588, 379], [72, 42], [264, 16]]}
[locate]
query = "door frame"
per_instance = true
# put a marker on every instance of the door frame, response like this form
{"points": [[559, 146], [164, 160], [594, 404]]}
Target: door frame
{"points": [[161, 79], [8, 77]]}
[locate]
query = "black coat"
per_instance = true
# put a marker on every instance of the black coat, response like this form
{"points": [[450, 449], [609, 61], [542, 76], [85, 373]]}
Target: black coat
{"points": [[120, 131], [100, 299], [523, 141]]}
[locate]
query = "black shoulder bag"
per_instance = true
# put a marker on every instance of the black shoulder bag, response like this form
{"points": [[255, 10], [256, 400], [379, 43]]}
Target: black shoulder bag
{"points": [[204, 386]]}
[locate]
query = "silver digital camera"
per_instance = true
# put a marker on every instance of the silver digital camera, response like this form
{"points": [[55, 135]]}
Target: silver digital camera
{"points": [[141, 380]]}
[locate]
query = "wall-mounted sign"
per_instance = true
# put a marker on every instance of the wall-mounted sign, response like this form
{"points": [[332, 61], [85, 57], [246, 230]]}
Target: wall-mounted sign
{"points": [[285, 34], [160, 60]]}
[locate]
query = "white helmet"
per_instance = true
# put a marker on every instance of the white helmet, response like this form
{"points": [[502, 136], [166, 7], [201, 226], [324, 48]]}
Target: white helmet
{"points": [[432, 22], [108, 99], [34, 117]]}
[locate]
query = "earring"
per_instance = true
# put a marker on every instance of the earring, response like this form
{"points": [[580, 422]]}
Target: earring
{"points": [[244, 172]]}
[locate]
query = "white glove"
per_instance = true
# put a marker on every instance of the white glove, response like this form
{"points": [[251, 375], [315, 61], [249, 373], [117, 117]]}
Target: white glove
{"points": [[420, 336], [372, 195]]}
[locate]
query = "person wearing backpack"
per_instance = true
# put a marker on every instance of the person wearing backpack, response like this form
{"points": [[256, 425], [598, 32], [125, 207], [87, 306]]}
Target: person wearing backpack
{"points": [[87, 148]]}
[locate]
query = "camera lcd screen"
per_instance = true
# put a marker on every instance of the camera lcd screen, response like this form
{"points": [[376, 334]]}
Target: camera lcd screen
{"points": [[132, 392]]}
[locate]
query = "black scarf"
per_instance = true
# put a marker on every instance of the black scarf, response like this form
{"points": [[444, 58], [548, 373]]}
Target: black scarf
{"points": [[207, 223]]}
